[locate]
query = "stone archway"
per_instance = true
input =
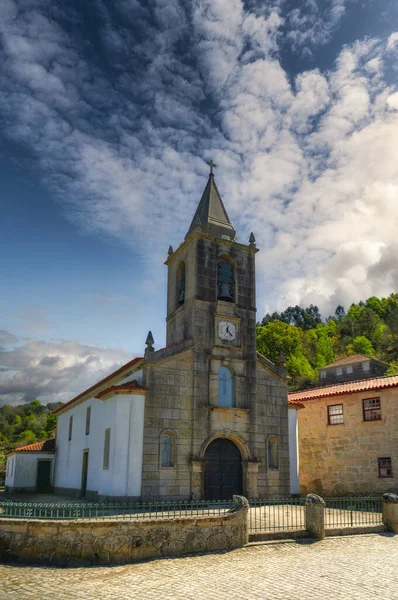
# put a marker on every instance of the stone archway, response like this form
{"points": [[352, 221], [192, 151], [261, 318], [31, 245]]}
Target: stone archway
{"points": [[223, 470]]}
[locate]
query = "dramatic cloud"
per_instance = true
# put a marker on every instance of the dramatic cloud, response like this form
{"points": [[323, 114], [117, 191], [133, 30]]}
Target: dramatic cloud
{"points": [[51, 371], [308, 161]]}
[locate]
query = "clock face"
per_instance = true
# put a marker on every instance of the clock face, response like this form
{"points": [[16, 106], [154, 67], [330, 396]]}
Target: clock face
{"points": [[226, 330]]}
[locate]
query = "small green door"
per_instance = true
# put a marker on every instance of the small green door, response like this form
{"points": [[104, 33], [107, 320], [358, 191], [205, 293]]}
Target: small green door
{"points": [[43, 483]]}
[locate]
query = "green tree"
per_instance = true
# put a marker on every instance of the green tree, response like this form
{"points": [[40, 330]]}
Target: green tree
{"points": [[361, 345]]}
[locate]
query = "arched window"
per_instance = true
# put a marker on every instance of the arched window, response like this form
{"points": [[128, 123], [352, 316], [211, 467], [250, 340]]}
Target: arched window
{"points": [[181, 283], [225, 281], [225, 387], [167, 449], [273, 452]]}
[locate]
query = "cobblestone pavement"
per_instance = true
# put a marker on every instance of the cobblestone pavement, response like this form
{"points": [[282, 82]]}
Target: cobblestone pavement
{"points": [[357, 567]]}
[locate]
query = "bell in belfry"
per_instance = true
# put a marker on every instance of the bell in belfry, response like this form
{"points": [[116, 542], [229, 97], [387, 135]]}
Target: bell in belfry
{"points": [[225, 292], [181, 295]]}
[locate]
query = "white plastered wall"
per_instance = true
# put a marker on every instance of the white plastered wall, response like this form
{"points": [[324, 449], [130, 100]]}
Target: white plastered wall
{"points": [[22, 469], [124, 415], [293, 451]]}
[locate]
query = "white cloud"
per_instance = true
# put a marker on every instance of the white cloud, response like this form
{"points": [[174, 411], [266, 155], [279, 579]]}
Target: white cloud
{"points": [[308, 164], [51, 371]]}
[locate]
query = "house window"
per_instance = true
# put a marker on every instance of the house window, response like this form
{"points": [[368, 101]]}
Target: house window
{"points": [[181, 284], [335, 414], [225, 281], [339, 371], [225, 387], [107, 448], [167, 449], [88, 419], [323, 374], [385, 468], [348, 369], [365, 366], [371, 409], [70, 428], [273, 452]]}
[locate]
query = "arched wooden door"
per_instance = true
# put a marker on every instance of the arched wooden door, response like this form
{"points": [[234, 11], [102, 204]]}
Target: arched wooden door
{"points": [[223, 471]]}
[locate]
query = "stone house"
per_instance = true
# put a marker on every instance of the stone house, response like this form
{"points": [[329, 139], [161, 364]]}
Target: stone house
{"points": [[352, 368], [204, 417], [348, 437]]}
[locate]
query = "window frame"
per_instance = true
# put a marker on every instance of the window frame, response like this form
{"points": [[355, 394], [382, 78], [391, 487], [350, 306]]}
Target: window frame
{"points": [[349, 369], [107, 449], [273, 443], [88, 419], [370, 410], [70, 429], [380, 467], [322, 374], [172, 450], [337, 371], [367, 369], [336, 414]]}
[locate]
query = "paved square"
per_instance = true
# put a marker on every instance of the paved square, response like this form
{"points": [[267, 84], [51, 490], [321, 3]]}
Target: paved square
{"points": [[356, 567]]}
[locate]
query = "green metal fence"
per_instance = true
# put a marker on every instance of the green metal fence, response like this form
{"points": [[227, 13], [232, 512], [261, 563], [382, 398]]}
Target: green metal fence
{"points": [[125, 512], [353, 512], [276, 514]]}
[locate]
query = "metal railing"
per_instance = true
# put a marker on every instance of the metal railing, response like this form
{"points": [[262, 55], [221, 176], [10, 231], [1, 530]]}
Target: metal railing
{"points": [[124, 512], [276, 514], [353, 512]]}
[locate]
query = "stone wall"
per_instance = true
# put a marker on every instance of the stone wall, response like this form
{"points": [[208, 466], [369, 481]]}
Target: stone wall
{"points": [[342, 459], [109, 542]]}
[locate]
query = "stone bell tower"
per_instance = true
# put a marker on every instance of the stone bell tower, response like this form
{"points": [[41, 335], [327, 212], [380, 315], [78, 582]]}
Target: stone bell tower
{"points": [[211, 294], [212, 276]]}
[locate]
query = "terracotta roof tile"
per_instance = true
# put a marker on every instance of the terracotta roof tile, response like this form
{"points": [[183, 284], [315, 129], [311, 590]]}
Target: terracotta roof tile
{"points": [[122, 388], [363, 385], [45, 446], [295, 403]]}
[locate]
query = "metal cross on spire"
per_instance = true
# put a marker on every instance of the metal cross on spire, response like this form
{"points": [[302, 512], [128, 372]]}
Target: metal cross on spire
{"points": [[211, 165]]}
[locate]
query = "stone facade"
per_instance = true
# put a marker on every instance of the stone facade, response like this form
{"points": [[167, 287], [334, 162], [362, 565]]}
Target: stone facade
{"points": [[342, 459], [182, 380]]}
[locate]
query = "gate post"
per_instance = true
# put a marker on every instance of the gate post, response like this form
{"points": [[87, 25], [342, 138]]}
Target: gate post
{"points": [[315, 516], [390, 512], [197, 477], [250, 477]]}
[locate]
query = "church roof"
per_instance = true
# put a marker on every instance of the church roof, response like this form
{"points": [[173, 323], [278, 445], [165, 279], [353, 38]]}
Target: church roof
{"points": [[211, 216], [124, 388]]}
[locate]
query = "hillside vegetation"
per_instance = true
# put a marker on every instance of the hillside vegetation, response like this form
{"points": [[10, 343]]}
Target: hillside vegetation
{"points": [[308, 341], [24, 424]]}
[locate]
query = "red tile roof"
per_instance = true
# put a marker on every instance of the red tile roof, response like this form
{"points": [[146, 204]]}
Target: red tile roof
{"points": [[349, 387], [45, 446], [350, 360], [124, 388], [99, 383], [297, 403]]}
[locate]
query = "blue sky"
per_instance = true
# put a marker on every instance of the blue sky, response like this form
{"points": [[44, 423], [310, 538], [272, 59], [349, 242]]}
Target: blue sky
{"points": [[108, 112]]}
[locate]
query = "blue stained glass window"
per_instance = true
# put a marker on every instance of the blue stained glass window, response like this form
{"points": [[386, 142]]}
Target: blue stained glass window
{"points": [[225, 387]]}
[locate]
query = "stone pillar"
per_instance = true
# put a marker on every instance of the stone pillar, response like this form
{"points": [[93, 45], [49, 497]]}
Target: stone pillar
{"points": [[197, 479], [390, 512], [250, 478], [315, 516]]}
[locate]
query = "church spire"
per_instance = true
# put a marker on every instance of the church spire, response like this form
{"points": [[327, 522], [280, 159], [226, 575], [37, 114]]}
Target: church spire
{"points": [[210, 216]]}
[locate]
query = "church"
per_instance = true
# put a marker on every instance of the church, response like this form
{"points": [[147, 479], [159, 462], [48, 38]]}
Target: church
{"points": [[205, 417]]}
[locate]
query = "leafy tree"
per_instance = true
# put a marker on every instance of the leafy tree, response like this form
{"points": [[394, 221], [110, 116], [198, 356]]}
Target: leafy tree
{"points": [[361, 345]]}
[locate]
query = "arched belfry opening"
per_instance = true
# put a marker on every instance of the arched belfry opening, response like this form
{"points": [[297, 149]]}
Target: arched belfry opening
{"points": [[223, 470], [225, 281], [181, 283]]}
